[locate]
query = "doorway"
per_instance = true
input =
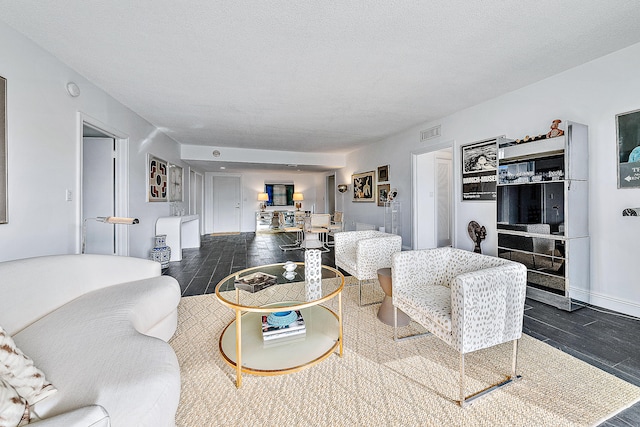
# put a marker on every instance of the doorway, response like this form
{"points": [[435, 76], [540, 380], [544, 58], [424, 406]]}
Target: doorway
{"points": [[196, 196], [103, 188], [226, 204], [331, 194], [433, 203], [98, 194]]}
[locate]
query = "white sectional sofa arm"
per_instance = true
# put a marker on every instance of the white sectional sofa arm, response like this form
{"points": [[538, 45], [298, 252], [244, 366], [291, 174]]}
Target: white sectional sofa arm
{"points": [[489, 306], [87, 416], [34, 287]]}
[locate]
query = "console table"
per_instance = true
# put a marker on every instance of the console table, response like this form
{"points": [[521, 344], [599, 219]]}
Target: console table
{"points": [[182, 232]]}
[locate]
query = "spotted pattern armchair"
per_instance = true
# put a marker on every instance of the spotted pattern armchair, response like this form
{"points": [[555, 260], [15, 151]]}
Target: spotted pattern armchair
{"points": [[468, 300], [362, 253]]}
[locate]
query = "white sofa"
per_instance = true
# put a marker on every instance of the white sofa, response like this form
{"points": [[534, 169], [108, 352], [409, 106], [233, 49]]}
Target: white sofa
{"points": [[361, 253], [97, 326]]}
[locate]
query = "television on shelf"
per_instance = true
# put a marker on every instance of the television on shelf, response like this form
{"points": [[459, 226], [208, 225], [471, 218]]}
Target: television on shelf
{"points": [[279, 194]]}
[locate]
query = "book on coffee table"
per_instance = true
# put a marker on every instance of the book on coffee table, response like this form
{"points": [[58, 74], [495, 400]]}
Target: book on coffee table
{"points": [[296, 327]]}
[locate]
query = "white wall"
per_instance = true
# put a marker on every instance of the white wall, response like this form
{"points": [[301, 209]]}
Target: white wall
{"points": [[310, 184], [591, 94], [44, 153]]}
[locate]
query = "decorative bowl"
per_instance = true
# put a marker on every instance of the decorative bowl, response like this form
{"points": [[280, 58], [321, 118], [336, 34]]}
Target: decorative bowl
{"points": [[282, 318], [289, 275], [289, 266]]}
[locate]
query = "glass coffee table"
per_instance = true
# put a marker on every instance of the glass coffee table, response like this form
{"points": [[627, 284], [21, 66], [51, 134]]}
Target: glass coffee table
{"points": [[241, 343]]}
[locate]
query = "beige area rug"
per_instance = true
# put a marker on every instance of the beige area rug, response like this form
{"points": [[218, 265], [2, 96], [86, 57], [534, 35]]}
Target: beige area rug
{"points": [[379, 382]]}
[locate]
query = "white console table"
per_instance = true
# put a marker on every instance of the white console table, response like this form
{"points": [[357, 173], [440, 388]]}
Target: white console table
{"points": [[182, 232]]}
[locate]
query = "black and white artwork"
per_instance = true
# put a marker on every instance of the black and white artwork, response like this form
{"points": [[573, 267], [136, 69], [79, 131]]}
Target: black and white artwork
{"points": [[479, 164]]}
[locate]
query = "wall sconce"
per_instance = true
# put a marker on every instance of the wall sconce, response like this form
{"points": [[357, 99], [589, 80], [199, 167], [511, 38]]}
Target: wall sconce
{"points": [[106, 220], [262, 198], [298, 197], [342, 188]]}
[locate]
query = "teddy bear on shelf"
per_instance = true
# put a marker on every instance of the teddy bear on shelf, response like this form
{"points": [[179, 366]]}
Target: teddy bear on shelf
{"points": [[555, 131]]}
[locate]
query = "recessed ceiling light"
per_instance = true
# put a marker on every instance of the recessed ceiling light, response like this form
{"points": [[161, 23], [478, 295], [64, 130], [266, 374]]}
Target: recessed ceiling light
{"points": [[216, 153]]}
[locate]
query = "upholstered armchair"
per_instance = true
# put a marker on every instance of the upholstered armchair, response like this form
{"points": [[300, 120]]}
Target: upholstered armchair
{"points": [[362, 253], [468, 300]]}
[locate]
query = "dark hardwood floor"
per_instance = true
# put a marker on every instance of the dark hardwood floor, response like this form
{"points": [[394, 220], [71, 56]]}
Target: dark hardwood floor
{"points": [[602, 338]]}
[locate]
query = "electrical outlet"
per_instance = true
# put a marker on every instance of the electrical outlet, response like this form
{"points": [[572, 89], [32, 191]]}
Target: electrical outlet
{"points": [[68, 195]]}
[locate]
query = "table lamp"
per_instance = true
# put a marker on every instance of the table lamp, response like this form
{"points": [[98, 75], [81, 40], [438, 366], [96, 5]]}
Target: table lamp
{"points": [[262, 198], [298, 197]]}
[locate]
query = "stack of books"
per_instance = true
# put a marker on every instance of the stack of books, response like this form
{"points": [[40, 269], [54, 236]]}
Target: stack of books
{"points": [[291, 330]]}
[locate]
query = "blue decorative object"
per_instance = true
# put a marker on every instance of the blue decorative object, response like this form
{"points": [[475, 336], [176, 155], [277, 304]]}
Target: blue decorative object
{"points": [[282, 318]]}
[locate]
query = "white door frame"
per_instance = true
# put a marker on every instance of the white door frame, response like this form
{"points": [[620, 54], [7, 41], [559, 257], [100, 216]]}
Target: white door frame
{"points": [[414, 189], [196, 197], [121, 180]]}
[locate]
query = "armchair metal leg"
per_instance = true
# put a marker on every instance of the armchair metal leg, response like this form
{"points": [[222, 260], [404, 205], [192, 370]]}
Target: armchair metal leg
{"points": [[513, 377], [395, 328], [369, 303]]}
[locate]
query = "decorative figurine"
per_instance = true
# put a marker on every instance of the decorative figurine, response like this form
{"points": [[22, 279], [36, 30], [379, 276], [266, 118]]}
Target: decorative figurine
{"points": [[478, 234], [555, 131]]}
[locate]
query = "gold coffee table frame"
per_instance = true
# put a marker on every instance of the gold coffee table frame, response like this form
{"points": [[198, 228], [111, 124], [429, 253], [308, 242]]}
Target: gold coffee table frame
{"points": [[323, 325]]}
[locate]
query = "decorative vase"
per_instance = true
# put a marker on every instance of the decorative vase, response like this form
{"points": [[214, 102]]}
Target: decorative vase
{"points": [[161, 252], [313, 274]]}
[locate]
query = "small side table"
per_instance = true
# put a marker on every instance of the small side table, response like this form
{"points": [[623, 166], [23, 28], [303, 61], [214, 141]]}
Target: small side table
{"points": [[385, 312]]}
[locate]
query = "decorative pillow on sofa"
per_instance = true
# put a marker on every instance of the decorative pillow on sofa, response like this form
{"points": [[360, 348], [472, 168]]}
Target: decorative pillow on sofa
{"points": [[14, 410], [19, 371]]}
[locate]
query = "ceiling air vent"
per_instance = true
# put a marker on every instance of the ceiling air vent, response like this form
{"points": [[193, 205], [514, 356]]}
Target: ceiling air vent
{"points": [[430, 133]]}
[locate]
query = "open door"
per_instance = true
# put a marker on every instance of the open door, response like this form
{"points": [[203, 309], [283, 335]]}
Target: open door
{"points": [[103, 188], [433, 205]]}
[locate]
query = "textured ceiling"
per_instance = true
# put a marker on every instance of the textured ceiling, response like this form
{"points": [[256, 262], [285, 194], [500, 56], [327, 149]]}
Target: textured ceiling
{"points": [[317, 76]]}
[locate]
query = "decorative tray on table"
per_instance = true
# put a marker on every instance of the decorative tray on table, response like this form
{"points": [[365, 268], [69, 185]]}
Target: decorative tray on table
{"points": [[255, 282]]}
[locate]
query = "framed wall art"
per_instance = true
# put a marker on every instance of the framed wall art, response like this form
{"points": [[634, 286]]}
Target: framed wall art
{"points": [[157, 186], [4, 197], [628, 135], [383, 193], [383, 173], [363, 186], [479, 165], [175, 183]]}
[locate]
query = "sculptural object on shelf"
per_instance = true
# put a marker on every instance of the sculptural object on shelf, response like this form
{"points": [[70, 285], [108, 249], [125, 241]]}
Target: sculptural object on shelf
{"points": [[555, 131], [393, 193], [478, 234]]}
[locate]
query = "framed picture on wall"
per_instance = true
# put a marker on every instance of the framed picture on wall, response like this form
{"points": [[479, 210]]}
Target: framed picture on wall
{"points": [[383, 193], [628, 135], [383, 173], [363, 186], [3, 152], [479, 165], [175, 183], [157, 174]]}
